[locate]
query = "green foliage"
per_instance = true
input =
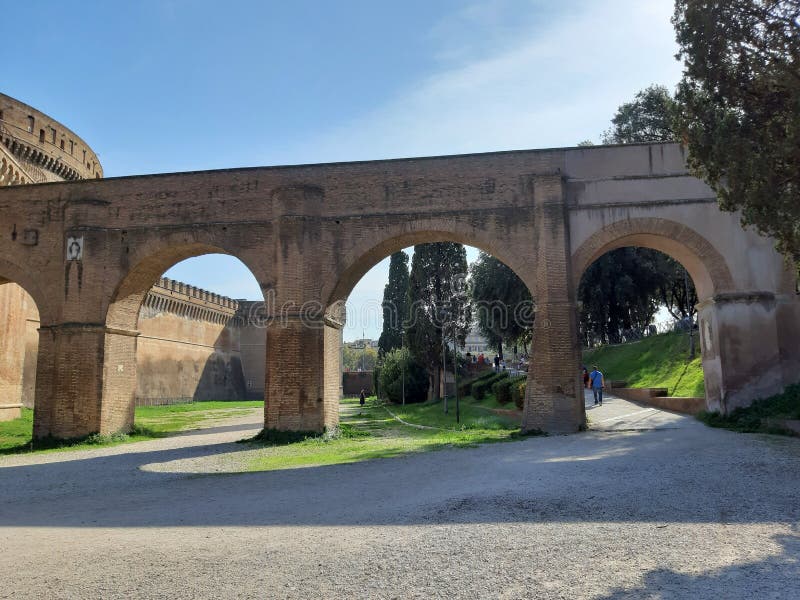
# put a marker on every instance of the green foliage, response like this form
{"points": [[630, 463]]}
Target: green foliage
{"points": [[465, 386], [391, 377], [740, 108], [656, 361], [151, 422], [648, 118], [371, 433], [621, 291], [437, 301], [481, 387], [753, 418], [518, 393], [502, 389], [359, 359], [395, 304], [501, 301]]}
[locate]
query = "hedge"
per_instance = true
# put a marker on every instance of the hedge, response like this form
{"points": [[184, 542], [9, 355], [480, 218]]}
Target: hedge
{"points": [[479, 388], [503, 389], [465, 387]]}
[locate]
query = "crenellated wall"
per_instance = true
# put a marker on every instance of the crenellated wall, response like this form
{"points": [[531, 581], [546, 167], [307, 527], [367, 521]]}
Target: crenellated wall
{"points": [[189, 346]]}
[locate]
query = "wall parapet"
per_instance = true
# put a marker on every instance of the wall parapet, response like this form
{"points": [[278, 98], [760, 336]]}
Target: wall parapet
{"points": [[188, 301]]}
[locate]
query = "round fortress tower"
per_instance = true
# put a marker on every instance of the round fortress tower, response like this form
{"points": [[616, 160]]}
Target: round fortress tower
{"points": [[35, 148]]}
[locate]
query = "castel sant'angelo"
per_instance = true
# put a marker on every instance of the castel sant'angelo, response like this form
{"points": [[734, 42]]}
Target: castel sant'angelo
{"points": [[192, 343]]}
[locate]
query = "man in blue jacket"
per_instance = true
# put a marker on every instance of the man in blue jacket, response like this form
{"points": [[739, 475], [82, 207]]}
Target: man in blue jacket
{"points": [[597, 384]]}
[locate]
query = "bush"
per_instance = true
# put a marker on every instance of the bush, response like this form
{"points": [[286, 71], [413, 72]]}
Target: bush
{"points": [[480, 387], [390, 381], [502, 389], [465, 387], [518, 392]]}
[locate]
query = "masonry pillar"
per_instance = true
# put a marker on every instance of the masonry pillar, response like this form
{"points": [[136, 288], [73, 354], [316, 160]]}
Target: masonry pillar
{"points": [[119, 381], [69, 380], [303, 375], [749, 347], [554, 397]]}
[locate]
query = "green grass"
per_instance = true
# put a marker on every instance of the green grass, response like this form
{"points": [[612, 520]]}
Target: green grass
{"points": [[180, 417], [751, 419], [151, 422], [371, 432], [657, 361]]}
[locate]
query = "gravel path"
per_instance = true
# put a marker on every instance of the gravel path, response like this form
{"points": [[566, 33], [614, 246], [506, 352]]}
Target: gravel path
{"points": [[646, 505]]}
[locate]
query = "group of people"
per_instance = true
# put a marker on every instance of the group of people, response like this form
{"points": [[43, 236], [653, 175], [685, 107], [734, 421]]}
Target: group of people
{"points": [[596, 382], [499, 363]]}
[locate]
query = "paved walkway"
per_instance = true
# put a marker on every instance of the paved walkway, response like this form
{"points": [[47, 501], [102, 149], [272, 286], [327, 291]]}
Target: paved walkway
{"points": [[670, 510], [617, 414]]}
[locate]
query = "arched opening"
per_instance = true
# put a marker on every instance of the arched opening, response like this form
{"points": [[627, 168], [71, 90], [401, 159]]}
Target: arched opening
{"points": [[439, 328], [638, 326], [182, 332], [19, 343], [647, 287]]}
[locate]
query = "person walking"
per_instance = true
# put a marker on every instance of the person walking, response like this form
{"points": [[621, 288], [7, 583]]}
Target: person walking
{"points": [[597, 382], [362, 398]]}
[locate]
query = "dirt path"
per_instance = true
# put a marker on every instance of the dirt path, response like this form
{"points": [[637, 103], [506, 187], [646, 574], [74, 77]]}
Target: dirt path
{"points": [[679, 512]]}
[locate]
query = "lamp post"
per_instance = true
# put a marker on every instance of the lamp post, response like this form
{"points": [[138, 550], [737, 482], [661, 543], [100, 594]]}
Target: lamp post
{"points": [[455, 372], [403, 364]]}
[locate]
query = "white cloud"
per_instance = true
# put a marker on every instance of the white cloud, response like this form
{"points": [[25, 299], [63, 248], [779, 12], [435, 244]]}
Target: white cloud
{"points": [[555, 86]]}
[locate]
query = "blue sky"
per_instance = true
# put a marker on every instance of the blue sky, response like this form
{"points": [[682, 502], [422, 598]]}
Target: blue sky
{"points": [[176, 85]]}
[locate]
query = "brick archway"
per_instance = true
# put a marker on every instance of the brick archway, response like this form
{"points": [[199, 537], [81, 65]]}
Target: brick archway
{"points": [[121, 329], [706, 266], [363, 256]]}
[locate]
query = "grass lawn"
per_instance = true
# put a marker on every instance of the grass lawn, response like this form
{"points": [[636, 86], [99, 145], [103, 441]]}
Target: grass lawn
{"points": [[151, 422], [657, 361], [364, 433], [371, 432]]}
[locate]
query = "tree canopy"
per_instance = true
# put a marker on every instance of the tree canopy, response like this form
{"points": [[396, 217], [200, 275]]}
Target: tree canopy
{"points": [[498, 297], [740, 107], [395, 304], [437, 301], [649, 117]]}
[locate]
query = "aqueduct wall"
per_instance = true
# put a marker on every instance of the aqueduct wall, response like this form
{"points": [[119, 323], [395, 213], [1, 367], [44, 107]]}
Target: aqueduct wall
{"points": [[309, 232], [193, 345]]}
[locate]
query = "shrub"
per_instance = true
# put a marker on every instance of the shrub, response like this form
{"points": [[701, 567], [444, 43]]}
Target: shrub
{"points": [[465, 387], [502, 389], [391, 377], [479, 388]]}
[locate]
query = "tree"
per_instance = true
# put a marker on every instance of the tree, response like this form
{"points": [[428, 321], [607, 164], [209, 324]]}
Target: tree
{"points": [[395, 304], [436, 301], [618, 295], [740, 108], [499, 298], [648, 118], [359, 358], [399, 370]]}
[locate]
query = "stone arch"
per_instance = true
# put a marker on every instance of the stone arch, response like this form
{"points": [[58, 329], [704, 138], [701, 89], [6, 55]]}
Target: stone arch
{"points": [[366, 253], [122, 320], [12, 273], [706, 266], [381, 242]]}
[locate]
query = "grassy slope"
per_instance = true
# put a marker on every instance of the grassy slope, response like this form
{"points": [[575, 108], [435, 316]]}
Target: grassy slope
{"points": [[658, 361]]}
